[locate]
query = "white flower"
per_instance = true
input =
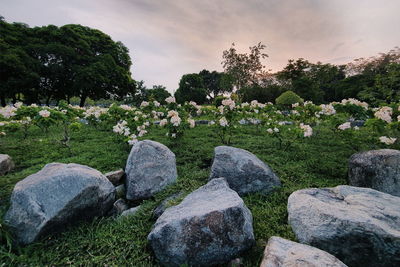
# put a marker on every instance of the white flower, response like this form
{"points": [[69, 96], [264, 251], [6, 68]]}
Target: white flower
{"points": [[172, 113], [173, 135], [327, 109], [34, 105], [8, 112], [356, 128], [192, 123], [142, 132], [211, 122], [307, 130], [170, 99], [2, 133], [44, 113], [385, 114], [295, 105], [229, 102], [156, 103], [344, 126], [163, 122], [144, 104], [270, 131], [223, 122], [276, 130], [18, 104], [126, 107], [175, 120], [354, 101], [387, 140]]}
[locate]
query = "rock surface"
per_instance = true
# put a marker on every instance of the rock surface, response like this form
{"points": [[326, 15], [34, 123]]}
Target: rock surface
{"points": [[120, 191], [376, 169], [151, 167], [119, 207], [6, 164], [130, 212], [244, 172], [164, 205], [360, 226], [56, 196], [281, 252], [115, 177], [212, 225]]}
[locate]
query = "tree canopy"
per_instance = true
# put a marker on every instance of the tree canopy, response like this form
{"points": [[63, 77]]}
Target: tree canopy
{"points": [[53, 63]]}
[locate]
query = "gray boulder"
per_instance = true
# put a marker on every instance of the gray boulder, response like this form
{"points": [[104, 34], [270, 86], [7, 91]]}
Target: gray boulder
{"points": [[360, 226], [130, 212], [151, 167], [212, 225], [6, 164], [201, 122], [376, 169], [281, 252], [119, 207], [244, 172], [56, 196], [115, 177]]}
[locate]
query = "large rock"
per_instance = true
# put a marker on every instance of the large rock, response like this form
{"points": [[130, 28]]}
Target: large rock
{"points": [[377, 169], [244, 172], [56, 196], [6, 164], [115, 177], [360, 226], [151, 167], [281, 252], [211, 225]]}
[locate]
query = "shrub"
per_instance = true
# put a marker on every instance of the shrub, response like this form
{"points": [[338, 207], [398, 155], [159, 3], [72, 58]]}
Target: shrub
{"points": [[288, 98]]}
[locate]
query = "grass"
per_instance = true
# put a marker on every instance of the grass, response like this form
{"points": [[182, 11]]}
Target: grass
{"points": [[320, 161]]}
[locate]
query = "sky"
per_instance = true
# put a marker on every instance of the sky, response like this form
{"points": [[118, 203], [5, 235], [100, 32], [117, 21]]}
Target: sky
{"points": [[170, 38]]}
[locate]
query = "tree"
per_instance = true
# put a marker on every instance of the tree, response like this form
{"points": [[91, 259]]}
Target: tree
{"points": [[245, 69], [216, 83], [191, 88], [158, 93], [262, 94]]}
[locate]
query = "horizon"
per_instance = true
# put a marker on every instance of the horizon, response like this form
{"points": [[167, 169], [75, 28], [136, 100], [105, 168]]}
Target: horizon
{"points": [[168, 40]]}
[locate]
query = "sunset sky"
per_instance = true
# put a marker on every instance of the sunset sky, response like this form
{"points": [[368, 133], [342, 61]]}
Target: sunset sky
{"points": [[169, 38]]}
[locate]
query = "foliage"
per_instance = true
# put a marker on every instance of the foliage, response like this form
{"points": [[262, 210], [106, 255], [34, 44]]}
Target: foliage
{"points": [[288, 98], [43, 63], [245, 69], [191, 88]]}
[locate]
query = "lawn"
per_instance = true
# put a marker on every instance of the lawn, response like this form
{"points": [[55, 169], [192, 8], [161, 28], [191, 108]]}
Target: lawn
{"points": [[319, 161]]}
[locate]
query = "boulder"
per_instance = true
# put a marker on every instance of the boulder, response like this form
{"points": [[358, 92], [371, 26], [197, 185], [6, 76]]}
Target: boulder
{"points": [[119, 207], [130, 212], [164, 205], [151, 167], [6, 164], [244, 172], [56, 196], [202, 122], [120, 191], [115, 177], [212, 225], [281, 252], [376, 169], [360, 226]]}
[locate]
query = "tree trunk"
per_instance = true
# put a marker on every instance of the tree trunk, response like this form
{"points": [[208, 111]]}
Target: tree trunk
{"points": [[83, 99]]}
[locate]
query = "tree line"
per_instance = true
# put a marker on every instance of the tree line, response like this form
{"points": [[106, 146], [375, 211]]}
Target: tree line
{"points": [[50, 63], [375, 79]]}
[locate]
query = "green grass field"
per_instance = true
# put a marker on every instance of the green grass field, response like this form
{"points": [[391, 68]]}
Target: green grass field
{"points": [[319, 161]]}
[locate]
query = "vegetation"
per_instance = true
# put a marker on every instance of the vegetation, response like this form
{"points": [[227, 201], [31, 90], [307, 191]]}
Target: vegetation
{"points": [[312, 151], [44, 63]]}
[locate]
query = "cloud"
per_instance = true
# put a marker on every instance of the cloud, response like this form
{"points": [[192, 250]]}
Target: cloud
{"points": [[172, 37]]}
